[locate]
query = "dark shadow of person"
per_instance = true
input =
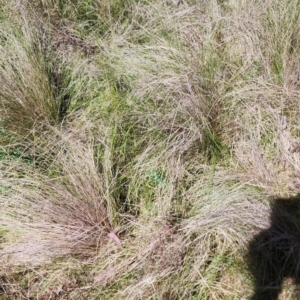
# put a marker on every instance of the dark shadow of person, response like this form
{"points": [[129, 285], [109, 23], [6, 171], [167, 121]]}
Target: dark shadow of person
{"points": [[274, 253]]}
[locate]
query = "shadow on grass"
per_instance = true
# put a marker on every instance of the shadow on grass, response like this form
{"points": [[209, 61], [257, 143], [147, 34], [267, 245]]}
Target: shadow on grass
{"points": [[274, 253]]}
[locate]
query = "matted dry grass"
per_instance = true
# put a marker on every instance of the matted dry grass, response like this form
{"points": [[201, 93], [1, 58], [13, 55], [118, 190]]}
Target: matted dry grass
{"points": [[140, 142]]}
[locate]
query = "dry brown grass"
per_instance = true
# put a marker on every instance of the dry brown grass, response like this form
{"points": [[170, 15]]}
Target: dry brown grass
{"points": [[164, 124]]}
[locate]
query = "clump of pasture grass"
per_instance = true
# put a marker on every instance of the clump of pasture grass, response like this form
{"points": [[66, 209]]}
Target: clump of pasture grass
{"points": [[71, 195], [26, 95]]}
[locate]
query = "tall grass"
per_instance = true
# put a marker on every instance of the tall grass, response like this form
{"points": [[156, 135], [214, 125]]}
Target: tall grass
{"points": [[140, 141]]}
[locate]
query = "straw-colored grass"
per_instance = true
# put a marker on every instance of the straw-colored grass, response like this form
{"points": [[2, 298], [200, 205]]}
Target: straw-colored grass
{"points": [[140, 142]]}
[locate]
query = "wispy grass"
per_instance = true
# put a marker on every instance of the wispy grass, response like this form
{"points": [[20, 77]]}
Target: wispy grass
{"points": [[139, 143]]}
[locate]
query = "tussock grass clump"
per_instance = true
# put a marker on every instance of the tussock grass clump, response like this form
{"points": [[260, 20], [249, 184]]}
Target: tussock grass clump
{"points": [[140, 141], [26, 94]]}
